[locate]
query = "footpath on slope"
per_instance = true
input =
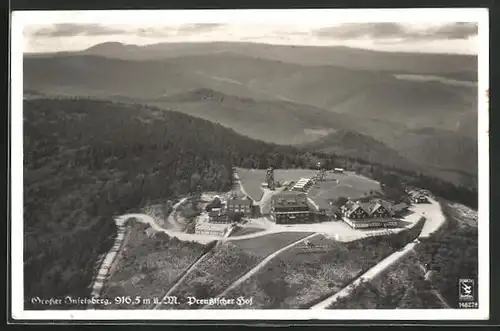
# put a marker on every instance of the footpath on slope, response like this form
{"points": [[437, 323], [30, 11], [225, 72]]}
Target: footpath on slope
{"points": [[434, 220], [261, 264], [186, 273], [434, 291], [108, 262], [171, 216]]}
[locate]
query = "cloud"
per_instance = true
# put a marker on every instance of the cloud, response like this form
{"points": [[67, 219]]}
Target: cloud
{"points": [[155, 32], [388, 30], [176, 31], [360, 30], [460, 30], [196, 28], [70, 29]]}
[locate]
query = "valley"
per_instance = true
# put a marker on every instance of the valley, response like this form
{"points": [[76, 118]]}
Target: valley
{"points": [[115, 130], [409, 117], [88, 160]]}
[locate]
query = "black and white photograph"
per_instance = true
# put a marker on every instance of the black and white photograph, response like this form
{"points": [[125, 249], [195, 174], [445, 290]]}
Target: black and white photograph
{"points": [[298, 164]]}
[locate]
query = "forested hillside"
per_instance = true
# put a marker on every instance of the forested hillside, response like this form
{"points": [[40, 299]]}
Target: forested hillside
{"points": [[452, 253], [351, 143], [85, 160]]}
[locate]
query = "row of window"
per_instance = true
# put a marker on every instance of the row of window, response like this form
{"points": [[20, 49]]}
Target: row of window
{"points": [[244, 208]]}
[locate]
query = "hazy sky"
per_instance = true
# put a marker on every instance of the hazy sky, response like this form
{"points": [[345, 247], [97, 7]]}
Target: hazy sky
{"points": [[72, 33]]}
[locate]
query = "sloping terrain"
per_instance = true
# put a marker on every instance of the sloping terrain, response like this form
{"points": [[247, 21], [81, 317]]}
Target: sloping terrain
{"points": [[287, 103], [441, 147], [357, 145], [366, 94], [443, 153], [279, 122], [414, 104], [87, 160], [454, 66], [230, 74], [402, 286]]}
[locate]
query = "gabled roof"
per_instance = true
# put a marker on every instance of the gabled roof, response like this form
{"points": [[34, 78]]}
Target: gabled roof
{"points": [[354, 206], [290, 198], [216, 200], [381, 203], [349, 204], [368, 207]]}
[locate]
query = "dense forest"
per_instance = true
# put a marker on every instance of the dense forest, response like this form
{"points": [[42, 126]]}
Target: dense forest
{"points": [[87, 160], [452, 253]]}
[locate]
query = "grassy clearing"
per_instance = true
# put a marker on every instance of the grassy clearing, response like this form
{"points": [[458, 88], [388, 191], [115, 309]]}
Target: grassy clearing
{"points": [[349, 185], [214, 274], [264, 245], [403, 286], [297, 279], [149, 266]]}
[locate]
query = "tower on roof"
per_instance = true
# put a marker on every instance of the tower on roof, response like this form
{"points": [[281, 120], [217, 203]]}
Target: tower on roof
{"points": [[321, 175], [270, 178]]}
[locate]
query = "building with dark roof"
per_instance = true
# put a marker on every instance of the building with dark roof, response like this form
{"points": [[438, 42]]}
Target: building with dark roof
{"points": [[218, 216], [290, 207], [418, 197], [355, 210], [380, 209], [240, 206], [400, 209], [377, 213], [214, 204], [334, 212]]}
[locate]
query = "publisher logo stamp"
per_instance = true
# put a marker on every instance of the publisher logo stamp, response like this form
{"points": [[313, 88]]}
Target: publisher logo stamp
{"points": [[466, 293], [466, 290]]}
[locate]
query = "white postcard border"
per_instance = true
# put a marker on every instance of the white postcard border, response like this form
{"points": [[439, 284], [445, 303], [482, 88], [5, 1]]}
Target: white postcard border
{"points": [[19, 19]]}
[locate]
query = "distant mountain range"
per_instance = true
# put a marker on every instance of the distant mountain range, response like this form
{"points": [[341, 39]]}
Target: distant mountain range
{"points": [[350, 101], [456, 66]]}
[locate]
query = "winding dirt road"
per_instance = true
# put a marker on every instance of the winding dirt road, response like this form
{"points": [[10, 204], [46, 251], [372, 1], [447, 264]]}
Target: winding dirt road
{"points": [[433, 213]]}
